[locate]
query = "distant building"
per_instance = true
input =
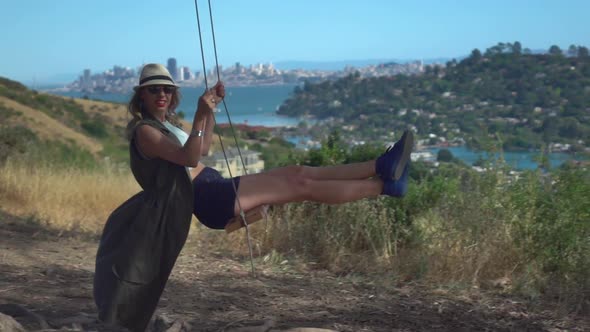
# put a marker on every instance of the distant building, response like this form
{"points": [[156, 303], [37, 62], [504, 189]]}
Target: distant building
{"points": [[85, 80], [86, 75], [186, 74], [238, 69], [252, 162], [172, 68], [213, 71]]}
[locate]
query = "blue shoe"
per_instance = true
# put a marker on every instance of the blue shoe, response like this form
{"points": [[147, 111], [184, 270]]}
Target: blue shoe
{"points": [[397, 188], [392, 163]]}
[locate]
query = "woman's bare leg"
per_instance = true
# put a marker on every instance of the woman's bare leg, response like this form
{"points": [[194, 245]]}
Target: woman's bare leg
{"points": [[269, 188], [353, 171]]}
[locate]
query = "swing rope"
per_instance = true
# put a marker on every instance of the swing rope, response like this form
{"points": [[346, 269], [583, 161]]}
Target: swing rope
{"points": [[242, 213]]}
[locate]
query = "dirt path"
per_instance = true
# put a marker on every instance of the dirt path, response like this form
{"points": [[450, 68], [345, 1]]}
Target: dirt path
{"points": [[46, 283]]}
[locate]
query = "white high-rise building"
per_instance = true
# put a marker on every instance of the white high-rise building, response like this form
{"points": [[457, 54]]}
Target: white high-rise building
{"points": [[186, 74]]}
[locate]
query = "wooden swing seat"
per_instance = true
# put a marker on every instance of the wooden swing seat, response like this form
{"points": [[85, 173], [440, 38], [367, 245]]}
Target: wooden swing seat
{"points": [[252, 216]]}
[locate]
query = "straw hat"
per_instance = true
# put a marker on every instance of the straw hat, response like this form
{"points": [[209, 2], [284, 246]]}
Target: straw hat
{"points": [[154, 74]]}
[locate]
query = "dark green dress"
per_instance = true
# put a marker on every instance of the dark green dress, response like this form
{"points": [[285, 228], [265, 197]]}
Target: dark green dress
{"points": [[142, 239]]}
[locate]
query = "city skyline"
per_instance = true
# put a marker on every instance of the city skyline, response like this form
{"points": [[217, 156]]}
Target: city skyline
{"points": [[49, 39], [122, 79]]}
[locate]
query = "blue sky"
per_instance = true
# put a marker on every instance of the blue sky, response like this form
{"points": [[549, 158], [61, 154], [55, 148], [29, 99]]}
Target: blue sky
{"points": [[46, 40]]}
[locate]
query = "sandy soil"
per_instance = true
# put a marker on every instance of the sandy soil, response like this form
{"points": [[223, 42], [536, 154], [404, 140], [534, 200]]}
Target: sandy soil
{"points": [[46, 284]]}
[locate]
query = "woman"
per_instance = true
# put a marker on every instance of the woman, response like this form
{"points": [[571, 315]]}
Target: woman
{"points": [[144, 236]]}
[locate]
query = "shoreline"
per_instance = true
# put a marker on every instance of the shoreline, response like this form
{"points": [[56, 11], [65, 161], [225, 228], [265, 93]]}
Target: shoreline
{"points": [[126, 90]]}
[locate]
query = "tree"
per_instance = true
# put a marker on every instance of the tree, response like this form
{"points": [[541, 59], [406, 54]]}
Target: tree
{"points": [[517, 48], [582, 52], [572, 50], [555, 50], [475, 55], [307, 86], [422, 125], [495, 50], [451, 63], [570, 127], [549, 130], [436, 70], [445, 155], [332, 151]]}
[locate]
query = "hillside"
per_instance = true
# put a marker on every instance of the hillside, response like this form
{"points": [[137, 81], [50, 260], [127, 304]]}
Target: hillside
{"points": [[85, 126], [523, 100]]}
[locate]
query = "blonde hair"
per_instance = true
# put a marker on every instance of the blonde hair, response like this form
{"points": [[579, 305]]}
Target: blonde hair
{"points": [[137, 112]]}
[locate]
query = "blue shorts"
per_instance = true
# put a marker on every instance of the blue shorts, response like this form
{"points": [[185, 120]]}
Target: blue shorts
{"points": [[215, 198]]}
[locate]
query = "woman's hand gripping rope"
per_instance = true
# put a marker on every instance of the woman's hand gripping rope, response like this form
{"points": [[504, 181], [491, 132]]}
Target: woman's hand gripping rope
{"points": [[212, 97]]}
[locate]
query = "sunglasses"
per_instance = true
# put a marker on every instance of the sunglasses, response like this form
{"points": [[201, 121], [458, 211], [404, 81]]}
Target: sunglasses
{"points": [[157, 89]]}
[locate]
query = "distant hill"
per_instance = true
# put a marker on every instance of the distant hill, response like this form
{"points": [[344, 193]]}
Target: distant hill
{"points": [[523, 100], [50, 80], [340, 65]]}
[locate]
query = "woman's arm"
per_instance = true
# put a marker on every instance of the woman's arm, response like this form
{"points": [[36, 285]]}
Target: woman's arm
{"points": [[219, 91], [209, 125], [154, 144]]}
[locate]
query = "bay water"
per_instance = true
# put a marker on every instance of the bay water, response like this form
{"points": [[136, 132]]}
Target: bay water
{"points": [[253, 105], [521, 160]]}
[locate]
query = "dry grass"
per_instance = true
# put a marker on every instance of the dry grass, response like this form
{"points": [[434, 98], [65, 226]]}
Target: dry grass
{"points": [[115, 113], [470, 246], [352, 237], [68, 198], [64, 198], [453, 253]]}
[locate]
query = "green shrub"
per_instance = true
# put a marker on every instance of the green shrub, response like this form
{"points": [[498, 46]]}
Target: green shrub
{"points": [[15, 141], [552, 227], [7, 112], [21, 143], [95, 128], [455, 225]]}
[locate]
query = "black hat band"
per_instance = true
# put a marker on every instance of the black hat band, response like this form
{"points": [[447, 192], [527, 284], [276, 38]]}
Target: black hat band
{"points": [[156, 77]]}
